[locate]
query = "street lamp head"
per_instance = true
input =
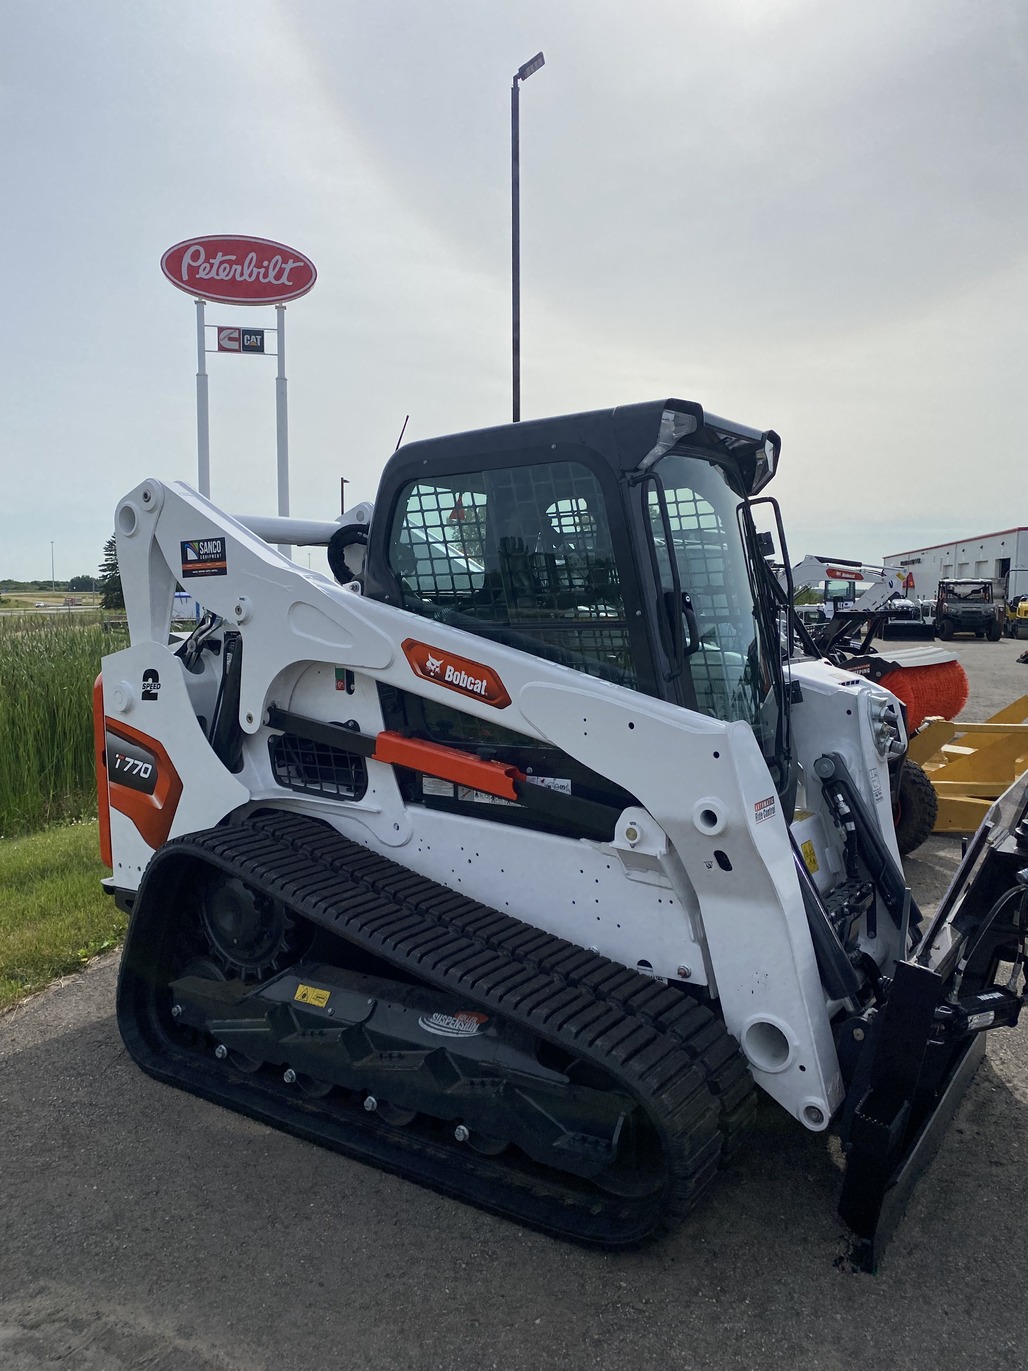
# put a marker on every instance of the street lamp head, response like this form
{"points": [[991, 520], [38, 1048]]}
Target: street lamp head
{"points": [[530, 67]]}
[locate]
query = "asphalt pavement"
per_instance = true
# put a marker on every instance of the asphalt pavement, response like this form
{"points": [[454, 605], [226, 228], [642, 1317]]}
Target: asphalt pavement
{"points": [[141, 1227]]}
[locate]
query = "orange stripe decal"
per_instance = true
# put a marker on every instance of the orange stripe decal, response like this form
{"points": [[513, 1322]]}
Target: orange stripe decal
{"points": [[142, 781], [463, 768]]}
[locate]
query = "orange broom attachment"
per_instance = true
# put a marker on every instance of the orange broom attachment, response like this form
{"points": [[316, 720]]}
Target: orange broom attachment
{"points": [[934, 688]]}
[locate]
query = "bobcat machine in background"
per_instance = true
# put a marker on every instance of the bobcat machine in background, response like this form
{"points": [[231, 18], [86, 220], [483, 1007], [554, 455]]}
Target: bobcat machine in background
{"points": [[929, 681], [1015, 621], [516, 858]]}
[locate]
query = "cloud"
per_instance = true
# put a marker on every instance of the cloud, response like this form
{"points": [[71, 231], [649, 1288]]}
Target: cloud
{"points": [[804, 216]]}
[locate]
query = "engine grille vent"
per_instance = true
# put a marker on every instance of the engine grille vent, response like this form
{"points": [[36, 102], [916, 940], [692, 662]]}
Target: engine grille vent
{"points": [[317, 768]]}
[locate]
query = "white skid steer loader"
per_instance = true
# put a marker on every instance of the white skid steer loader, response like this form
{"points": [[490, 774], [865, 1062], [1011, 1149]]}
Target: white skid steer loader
{"points": [[514, 858]]}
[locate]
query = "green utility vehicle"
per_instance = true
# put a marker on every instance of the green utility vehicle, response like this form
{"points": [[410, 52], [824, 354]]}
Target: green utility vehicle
{"points": [[967, 606]]}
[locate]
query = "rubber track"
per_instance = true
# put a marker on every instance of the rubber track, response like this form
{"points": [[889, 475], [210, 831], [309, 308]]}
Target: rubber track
{"points": [[670, 1053]]}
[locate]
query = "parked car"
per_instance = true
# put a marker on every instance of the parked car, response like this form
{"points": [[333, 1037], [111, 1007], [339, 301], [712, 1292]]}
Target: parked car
{"points": [[903, 619], [811, 614]]}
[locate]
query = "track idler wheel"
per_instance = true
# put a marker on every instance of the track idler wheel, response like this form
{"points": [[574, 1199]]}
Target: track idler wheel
{"points": [[486, 1146], [312, 1087], [250, 933], [394, 1115]]}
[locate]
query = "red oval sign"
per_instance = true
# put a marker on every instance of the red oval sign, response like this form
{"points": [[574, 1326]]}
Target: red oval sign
{"points": [[236, 270]]}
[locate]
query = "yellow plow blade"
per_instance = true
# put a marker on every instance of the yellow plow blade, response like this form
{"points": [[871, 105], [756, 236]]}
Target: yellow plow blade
{"points": [[970, 765]]}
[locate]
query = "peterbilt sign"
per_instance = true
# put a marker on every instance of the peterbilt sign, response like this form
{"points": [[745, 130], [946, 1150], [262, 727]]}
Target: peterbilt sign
{"points": [[237, 270]]}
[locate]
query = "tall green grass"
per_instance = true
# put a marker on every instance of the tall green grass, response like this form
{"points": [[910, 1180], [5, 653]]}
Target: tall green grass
{"points": [[47, 669]]}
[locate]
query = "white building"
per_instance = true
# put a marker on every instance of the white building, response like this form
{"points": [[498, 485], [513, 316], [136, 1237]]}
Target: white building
{"points": [[1001, 558]]}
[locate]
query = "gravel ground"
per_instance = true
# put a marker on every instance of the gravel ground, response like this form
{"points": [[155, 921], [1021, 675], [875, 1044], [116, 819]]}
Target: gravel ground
{"points": [[143, 1228]]}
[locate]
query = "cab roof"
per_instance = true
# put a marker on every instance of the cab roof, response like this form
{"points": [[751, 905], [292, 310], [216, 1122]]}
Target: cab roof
{"points": [[624, 437]]}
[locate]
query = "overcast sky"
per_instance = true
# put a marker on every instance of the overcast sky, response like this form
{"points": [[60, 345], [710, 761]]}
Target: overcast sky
{"points": [[806, 215]]}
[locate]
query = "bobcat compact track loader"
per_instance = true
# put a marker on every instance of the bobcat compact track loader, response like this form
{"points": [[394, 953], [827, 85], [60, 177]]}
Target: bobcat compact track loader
{"points": [[517, 857]]}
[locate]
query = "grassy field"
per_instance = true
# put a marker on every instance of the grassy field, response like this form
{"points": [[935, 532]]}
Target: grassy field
{"points": [[53, 914], [47, 669]]}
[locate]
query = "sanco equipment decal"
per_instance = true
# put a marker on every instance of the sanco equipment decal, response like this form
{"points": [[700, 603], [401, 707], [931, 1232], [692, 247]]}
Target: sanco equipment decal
{"points": [[204, 557], [456, 673]]}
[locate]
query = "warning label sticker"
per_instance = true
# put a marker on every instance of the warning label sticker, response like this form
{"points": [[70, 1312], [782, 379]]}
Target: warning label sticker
{"points": [[470, 795], [810, 857], [432, 785], [204, 557], [561, 783], [312, 994]]}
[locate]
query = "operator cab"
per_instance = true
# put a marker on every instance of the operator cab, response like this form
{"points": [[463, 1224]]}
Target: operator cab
{"points": [[620, 543]]}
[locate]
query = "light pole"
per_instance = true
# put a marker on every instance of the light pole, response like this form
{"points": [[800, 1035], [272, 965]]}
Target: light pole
{"points": [[53, 583], [522, 74]]}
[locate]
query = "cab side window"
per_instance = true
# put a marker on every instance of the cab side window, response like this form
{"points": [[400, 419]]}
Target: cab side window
{"points": [[523, 555]]}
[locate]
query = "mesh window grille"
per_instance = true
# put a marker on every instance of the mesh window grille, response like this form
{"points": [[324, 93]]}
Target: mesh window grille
{"points": [[713, 574], [702, 551], [317, 768], [525, 547]]}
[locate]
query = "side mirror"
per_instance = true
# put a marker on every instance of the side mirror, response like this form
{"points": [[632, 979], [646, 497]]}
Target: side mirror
{"points": [[766, 544]]}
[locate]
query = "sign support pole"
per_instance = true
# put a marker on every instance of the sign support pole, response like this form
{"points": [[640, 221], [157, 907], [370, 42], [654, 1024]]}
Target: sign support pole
{"points": [[203, 435], [282, 426]]}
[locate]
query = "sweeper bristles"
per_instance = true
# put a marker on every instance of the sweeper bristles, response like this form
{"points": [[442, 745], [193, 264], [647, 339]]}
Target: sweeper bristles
{"points": [[939, 689]]}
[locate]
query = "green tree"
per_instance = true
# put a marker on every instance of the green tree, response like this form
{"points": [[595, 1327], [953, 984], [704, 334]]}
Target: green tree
{"points": [[82, 583], [110, 577]]}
